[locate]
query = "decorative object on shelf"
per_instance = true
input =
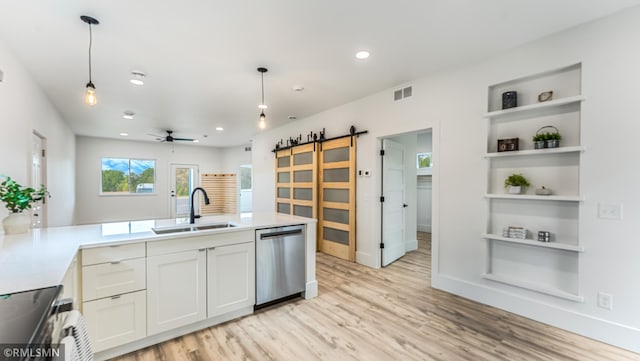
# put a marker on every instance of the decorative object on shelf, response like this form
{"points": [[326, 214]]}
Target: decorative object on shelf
{"points": [[509, 99], [508, 145], [544, 236], [263, 118], [548, 139], [514, 232], [90, 97], [18, 199], [543, 191], [516, 183], [545, 96]]}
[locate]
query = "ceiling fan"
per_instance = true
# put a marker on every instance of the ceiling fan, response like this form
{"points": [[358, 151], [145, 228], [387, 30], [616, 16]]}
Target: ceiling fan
{"points": [[170, 138]]}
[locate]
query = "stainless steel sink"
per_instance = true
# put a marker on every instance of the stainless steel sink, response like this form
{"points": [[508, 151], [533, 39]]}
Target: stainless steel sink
{"points": [[192, 228]]}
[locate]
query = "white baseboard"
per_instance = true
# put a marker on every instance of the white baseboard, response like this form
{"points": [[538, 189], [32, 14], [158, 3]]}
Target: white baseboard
{"points": [[411, 245], [602, 330], [311, 290], [368, 259]]}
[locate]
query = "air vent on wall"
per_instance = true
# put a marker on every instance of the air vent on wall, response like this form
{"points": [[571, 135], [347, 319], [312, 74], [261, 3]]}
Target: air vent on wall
{"points": [[402, 93]]}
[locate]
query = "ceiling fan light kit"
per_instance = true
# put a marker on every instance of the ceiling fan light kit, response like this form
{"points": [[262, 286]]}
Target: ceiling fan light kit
{"points": [[90, 97], [263, 118]]}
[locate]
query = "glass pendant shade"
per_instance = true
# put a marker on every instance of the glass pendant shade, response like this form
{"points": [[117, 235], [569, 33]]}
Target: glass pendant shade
{"points": [[90, 97]]}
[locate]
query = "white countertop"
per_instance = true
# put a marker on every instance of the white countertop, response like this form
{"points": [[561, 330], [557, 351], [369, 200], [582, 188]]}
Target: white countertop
{"points": [[41, 257]]}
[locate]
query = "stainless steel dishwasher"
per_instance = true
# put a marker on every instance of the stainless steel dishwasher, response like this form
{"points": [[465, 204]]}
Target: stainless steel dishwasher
{"points": [[280, 263]]}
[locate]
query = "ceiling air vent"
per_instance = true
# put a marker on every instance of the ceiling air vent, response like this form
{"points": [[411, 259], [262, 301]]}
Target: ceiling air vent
{"points": [[402, 93]]}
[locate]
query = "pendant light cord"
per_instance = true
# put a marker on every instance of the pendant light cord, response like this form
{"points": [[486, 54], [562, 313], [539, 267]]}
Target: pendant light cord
{"points": [[90, 44], [262, 77]]}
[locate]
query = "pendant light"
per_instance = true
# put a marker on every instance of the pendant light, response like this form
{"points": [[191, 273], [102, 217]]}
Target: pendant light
{"points": [[90, 96], [263, 118]]}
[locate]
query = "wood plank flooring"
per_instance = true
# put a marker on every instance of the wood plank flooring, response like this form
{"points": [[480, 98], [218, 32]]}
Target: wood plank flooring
{"points": [[385, 314]]}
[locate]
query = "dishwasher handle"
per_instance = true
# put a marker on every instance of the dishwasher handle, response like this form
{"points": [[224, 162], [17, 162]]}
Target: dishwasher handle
{"points": [[280, 233]]}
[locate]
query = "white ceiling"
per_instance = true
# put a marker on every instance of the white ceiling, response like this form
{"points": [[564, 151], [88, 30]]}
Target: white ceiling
{"points": [[201, 55]]}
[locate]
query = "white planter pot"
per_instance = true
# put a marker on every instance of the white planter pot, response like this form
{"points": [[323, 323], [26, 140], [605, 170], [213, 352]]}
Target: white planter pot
{"points": [[514, 190], [16, 223]]}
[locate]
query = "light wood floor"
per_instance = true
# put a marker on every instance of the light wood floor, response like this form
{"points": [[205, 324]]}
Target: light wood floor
{"points": [[386, 314]]}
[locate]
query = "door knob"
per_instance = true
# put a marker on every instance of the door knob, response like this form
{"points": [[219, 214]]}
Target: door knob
{"points": [[405, 205]]}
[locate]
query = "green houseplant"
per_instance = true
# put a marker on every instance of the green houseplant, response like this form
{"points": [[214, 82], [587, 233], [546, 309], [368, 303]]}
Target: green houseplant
{"points": [[18, 199], [547, 139], [515, 183]]}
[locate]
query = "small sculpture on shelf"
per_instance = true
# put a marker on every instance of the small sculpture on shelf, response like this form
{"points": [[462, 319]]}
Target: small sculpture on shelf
{"points": [[545, 96], [543, 191], [516, 183]]}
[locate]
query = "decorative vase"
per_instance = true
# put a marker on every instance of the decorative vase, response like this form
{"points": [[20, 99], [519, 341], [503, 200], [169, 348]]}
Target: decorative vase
{"points": [[539, 144], [514, 189], [16, 223]]}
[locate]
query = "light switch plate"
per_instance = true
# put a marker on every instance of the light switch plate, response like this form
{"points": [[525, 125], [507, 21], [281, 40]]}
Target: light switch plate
{"points": [[610, 211]]}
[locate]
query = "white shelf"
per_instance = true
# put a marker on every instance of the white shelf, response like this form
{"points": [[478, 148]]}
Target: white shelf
{"points": [[531, 197], [518, 153], [534, 287], [534, 243], [537, 106]]}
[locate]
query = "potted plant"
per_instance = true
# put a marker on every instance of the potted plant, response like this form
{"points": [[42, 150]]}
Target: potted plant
{"points": [[553, 140], [539, 140], [547, 139], [18, 199], [516, 183]]}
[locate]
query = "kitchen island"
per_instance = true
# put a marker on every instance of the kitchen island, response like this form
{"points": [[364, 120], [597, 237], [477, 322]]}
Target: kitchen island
{"points": [[111, 267]]}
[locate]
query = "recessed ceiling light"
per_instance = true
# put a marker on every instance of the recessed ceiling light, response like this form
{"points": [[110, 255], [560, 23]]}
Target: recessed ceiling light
{"points": [[124, 134], [297, 88], [219, 129], [362, 54], [137, 78], [128, 114]]}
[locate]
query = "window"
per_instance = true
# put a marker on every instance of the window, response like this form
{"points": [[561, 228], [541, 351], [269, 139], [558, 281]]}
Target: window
{"points": [[423, 160], [128, 176], [245, 177]]}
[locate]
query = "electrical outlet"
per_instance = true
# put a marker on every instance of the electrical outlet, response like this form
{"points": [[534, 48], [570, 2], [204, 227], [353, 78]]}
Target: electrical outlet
{"points": [[610, 211], [605, 301]]}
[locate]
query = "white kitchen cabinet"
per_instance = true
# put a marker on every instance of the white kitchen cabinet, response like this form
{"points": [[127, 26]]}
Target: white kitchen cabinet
{"points": [[113, 278], [176, 290], [230, 278], [116, 320]]}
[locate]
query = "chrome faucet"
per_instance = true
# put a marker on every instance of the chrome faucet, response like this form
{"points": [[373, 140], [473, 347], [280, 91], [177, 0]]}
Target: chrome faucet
{"points": [[192, 216]]}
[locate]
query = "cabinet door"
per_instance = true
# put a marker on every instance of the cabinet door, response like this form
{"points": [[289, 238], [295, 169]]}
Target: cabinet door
{"points": [[176, 290], [117, 320], [231, 278]]}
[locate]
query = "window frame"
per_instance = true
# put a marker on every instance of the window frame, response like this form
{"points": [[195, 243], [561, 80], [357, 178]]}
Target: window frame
{"points": [[128, 175]]}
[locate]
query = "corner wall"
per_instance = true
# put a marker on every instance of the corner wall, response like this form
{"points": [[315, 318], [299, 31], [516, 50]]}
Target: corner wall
{"points": [[24, 108], [452, 102]]}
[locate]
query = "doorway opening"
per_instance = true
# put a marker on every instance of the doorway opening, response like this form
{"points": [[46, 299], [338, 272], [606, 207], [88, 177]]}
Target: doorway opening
{"points": [[39, 178], [406, 199], [246, 189], [184, 178]]}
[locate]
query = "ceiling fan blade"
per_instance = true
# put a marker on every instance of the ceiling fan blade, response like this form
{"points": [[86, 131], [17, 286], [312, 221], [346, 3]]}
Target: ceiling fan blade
{"points": [[184, 139], [156, 135]]}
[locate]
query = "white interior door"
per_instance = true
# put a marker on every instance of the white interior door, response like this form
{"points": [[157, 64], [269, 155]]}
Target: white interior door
{"points": [[39, 213], [184, 178], [393, 214]]}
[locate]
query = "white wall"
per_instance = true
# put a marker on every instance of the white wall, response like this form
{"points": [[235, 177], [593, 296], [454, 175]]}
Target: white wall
{"points": [[93, 208], [24, 108], [452, 103]]}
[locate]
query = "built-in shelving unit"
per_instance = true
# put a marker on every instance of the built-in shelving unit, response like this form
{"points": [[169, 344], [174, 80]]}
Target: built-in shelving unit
{"points": [[549, 268]]}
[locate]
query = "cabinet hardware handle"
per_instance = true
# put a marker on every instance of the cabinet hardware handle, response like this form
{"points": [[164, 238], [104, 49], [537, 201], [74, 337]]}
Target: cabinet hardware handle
{"points": [[116, 262], [212, 248], [115, 297], [114, 245], [202, 249]]}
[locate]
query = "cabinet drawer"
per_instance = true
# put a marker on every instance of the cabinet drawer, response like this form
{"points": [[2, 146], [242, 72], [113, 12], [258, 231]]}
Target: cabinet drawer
{"points": [[110, 279], [116, 320], [112, 253]]}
